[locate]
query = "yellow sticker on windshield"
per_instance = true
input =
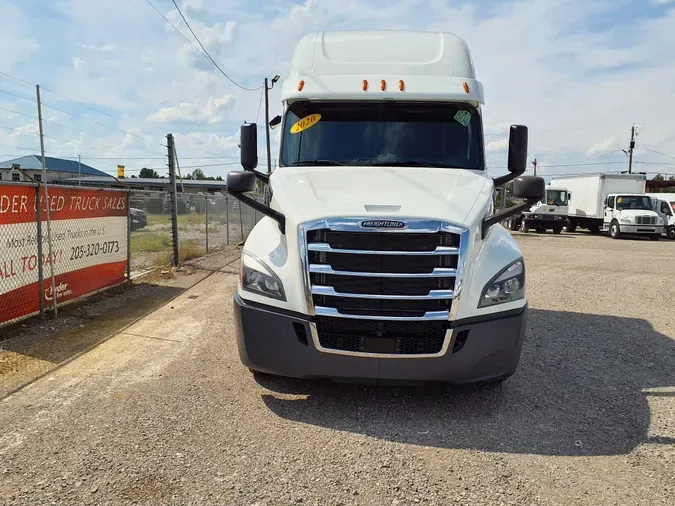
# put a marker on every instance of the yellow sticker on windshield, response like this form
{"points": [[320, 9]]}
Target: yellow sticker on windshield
{"points": [[619, 200], [305, 123]]}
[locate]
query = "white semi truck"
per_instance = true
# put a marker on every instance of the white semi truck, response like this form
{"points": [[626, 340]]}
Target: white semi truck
{"points": [[613, 203], [380, 258], [549, 213]]}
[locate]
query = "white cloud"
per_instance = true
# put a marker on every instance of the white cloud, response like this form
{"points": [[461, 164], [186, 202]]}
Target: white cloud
{"points": [[558, 67], [661, 2], [105, 48], [78, 63], [210, 112], [604, 147], [497, 146]]}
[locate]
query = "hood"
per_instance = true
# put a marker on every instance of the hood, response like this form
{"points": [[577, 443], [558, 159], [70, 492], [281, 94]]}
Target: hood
{"points": [[637, 212], [319, 192]]}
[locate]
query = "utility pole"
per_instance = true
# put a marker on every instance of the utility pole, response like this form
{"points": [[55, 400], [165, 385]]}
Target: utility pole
{"points": [[534, 162], [267, 126], [268, 87], [79, 170], [631, 148], [173, 198], [47, 203]]}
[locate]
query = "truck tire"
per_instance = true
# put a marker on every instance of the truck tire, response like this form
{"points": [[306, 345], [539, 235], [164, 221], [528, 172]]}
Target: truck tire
{"points": [[614, 230], [671, 232], [570, 226], [557, 230], [655, 237], [524, 227]]}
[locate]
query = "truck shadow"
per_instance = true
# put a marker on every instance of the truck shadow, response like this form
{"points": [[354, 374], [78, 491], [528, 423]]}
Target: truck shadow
{"points": [[579, 390]]}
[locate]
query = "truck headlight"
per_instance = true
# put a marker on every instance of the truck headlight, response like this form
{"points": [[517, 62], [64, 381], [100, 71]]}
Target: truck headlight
{"points": [[256, 277], [626, 220], [508, 285]]}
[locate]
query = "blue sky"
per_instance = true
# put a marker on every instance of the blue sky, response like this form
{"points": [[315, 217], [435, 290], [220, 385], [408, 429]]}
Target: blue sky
{"points": [[579, 73]]}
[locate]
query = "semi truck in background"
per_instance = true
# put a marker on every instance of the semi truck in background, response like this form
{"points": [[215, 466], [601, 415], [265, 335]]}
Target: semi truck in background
{"points": [[664, 205], [380, 257], [613, 203], [550, 213]]}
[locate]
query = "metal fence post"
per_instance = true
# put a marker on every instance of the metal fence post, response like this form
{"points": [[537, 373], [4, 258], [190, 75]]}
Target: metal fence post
{"points": [[173, 198], [128, 238], [41, 274], [206, 199], [241, 222], [227, 218]]}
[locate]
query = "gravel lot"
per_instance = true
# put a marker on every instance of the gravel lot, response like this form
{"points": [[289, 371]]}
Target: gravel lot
{"points": [[164, 413]]}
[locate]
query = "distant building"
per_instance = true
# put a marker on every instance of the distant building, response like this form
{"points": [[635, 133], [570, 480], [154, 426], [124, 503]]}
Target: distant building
{"points": [[57, 168]]}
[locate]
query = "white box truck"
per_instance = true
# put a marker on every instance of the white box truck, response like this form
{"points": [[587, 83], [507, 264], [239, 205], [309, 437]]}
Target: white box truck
{"points": [[380, 258], [664, 205], [614, 203], [549, 213]]}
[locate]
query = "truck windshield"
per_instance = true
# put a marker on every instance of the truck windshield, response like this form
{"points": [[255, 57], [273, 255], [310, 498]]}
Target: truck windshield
{"points": [[556, 197], [640, 202], [382, 133]]}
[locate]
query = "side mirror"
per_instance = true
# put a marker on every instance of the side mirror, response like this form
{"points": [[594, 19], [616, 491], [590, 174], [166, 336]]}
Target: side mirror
{"points": [[529, 188], [249, 146], [275, 122], [517, 149], [240, 182], [569, 196]]}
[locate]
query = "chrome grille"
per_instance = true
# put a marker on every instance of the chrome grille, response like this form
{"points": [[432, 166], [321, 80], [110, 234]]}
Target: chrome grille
{"points": [[645, 220], [387, 274]]}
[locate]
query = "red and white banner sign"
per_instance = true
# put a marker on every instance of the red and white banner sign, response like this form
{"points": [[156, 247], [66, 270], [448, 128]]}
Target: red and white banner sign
{"points": [[89, 245]]}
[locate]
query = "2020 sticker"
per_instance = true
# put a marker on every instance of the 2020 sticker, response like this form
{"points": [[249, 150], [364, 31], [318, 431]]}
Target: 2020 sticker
{"points": [[305, 123]]}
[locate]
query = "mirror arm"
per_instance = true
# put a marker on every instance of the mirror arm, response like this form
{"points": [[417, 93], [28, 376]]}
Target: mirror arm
{"points": [[502, 180], [262, 208], [262, 177], [496, 218]]}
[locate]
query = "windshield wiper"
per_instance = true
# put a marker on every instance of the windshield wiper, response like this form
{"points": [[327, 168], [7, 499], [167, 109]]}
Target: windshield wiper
{"points": [[316, 162]]}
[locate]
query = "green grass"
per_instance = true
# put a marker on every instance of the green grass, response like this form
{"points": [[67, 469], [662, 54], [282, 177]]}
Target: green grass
{"points": [[150, 243], [184, 220]]}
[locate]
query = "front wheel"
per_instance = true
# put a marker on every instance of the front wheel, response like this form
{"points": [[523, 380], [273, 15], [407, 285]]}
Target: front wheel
{"points": [[671, 232], [524, 227], [614, 230]]}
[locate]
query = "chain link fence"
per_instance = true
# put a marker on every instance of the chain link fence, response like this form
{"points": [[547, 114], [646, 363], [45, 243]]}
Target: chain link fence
{"points": [[94, 239], [206, 223]]}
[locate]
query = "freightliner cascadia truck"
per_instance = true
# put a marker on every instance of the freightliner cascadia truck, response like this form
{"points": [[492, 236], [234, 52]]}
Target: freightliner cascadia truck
{"points": [[380, 257]]}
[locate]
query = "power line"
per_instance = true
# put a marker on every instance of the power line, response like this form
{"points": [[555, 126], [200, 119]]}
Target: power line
{"points": [[75, 115], [17, 147], [654, 151], [204, 49], [68, 98], [57, 139], [262, 92]]}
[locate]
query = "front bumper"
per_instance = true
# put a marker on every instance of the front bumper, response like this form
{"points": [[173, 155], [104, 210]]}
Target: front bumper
{"points": [[640, 229], [546, 221], [281, 343]]}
